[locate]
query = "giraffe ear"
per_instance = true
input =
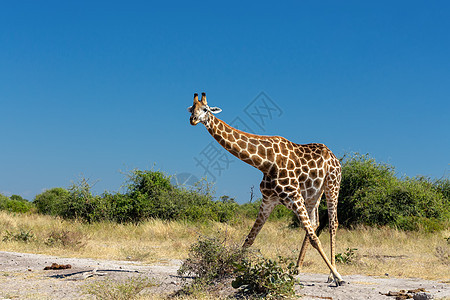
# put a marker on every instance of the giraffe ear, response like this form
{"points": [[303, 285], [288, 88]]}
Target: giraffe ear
{"points": [[189, 109], [215, 110]]}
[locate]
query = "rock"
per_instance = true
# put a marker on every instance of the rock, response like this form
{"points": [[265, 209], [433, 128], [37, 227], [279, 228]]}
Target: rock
{"points": [[422, 296]]}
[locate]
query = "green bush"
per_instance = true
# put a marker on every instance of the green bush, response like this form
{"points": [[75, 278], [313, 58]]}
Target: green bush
{"points": [[211, 260], [15, 204], [266, 278], [371, 194], [51, 201]]}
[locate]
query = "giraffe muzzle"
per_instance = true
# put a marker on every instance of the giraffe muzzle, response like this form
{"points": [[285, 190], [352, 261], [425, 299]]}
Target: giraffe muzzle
{"points": [[194, 120]]}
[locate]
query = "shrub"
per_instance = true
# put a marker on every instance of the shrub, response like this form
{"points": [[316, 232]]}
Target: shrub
{"points": [[348, 257], [210, 260], [20, 236], [81, 204], [118, 290], [15, 204], [371, 194], [50, 201], [266, 278]]}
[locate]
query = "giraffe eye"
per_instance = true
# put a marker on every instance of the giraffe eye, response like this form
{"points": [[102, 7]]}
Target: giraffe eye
{"points": [[205, 109]]}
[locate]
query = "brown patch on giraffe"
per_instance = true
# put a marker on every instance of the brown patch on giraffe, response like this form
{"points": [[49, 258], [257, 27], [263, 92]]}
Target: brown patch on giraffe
{"points": [[230, 137], [302, 177], [256, 160], [253, 141], [246, 159], [251, 147], [321, 173], [270, 154], [235, 148], [283, 195], [313, 173], [220, 127], [290, 164], [311, 164], [308, 183], [276, 148], [283, 181], [266, 143], [320, 162], [266, 165], [326, 153], [242, 144], [243, 154], [280, 161], [317, 183], [262, 151], [278, 189], [284, 149], [293, 182], [310, 191], [222, 142]]}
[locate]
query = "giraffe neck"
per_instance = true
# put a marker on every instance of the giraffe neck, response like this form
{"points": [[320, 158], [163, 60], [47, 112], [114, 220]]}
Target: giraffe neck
{"points": [[253, 149]]}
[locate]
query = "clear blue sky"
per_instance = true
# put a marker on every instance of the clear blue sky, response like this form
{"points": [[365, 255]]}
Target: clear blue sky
{"points": [[94, 89]]}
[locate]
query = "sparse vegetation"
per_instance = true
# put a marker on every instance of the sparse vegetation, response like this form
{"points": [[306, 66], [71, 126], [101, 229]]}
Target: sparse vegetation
{"points": [[266, 278], [118, 290], [211, 262], [347, 257], [21, 235]]}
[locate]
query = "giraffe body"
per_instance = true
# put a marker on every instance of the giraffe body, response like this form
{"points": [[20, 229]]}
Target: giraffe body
{"points": [[295, 176]]}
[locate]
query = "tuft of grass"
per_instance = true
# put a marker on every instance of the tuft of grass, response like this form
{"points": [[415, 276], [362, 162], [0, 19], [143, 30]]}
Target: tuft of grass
{"points": [[65, 239], [22, 235], [118, 290]]}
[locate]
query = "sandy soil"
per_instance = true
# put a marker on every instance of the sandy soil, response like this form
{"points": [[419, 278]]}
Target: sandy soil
{"points": [[22, 276]]}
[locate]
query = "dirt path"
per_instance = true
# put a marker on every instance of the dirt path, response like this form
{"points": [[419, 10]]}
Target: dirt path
{"points": [[22, 276]]}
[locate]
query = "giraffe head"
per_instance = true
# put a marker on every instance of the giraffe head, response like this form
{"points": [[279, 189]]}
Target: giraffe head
{"points": [[200, 111]]}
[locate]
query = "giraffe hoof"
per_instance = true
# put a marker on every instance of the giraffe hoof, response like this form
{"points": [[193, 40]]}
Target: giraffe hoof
{"points": [[340, 282]]}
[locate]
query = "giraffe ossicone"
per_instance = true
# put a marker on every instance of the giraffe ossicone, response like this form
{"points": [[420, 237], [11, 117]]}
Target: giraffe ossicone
{"points": [[294, 175]]}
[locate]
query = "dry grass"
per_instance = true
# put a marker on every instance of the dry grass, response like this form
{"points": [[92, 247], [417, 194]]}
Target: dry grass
{"points": [[380, 251]]}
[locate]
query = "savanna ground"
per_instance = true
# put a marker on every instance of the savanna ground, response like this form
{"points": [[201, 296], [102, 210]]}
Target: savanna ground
{"points": [[383, 253]]}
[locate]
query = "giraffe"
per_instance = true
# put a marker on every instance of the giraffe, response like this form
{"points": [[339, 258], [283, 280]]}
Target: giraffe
{"points": [[294, 175]]}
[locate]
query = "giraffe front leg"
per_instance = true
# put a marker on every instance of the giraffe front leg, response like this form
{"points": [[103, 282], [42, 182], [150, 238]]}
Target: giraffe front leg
{"points": [[302, 214], [265, 209]]}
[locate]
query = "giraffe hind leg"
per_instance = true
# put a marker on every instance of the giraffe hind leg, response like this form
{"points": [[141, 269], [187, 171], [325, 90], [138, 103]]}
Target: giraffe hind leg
{"points": [[315, 223], [332, 193]]}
